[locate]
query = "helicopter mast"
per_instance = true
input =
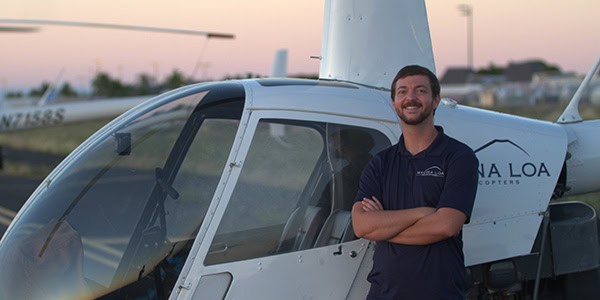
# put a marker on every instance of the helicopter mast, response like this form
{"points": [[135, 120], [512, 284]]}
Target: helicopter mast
{"points": [[359, 45]]}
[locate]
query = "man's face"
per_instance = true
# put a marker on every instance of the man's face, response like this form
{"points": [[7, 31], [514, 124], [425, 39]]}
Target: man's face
{"points": [[413, 99]]}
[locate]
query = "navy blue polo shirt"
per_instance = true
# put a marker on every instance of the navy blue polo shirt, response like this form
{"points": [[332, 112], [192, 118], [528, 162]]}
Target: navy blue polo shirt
{"points": [[443, 175]]}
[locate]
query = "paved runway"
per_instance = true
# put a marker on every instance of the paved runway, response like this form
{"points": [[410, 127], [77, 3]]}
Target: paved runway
{"points": [[15, 190]]}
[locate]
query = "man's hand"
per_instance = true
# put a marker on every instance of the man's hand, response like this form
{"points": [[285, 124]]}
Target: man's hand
{"points": [[374, 204], [371, 204]]}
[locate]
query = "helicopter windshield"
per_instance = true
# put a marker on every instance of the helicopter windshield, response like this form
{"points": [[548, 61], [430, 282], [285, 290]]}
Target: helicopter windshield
{"points": [[119, 219]]}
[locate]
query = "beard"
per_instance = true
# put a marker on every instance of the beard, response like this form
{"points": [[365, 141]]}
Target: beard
{"points": [[419, 119]]}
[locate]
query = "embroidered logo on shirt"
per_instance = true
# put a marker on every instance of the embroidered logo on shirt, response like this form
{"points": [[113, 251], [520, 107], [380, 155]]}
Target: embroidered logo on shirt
{"points": [[434, 171]]}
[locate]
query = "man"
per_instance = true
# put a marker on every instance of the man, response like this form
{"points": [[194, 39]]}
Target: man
{"points": [[414, 198]]}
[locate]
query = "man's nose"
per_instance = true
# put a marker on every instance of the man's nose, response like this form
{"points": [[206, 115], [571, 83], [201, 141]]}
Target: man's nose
{"points": [[411, 94]]}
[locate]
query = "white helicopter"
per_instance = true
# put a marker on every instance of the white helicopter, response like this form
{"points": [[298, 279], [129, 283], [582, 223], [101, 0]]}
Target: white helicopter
{"points": [[190, 195]]}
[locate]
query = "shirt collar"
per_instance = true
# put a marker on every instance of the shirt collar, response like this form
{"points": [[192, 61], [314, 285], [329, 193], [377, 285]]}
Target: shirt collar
{"points": [[436, 148]]}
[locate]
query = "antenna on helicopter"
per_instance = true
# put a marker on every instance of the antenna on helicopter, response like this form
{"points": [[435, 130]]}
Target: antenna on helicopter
{"points": [[571, 113]]}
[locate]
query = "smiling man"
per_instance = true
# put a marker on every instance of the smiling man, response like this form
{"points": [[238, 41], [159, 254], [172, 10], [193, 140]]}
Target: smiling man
{"points": [[414, 198]]}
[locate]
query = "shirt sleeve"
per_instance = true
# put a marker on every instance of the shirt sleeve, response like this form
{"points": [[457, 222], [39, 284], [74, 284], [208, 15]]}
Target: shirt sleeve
{"points": [[370, 180], [460, 187]]}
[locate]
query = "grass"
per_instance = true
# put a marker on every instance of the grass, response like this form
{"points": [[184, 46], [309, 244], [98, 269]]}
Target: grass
{"points": [[548, 112], [33, 171], [58, 140]]}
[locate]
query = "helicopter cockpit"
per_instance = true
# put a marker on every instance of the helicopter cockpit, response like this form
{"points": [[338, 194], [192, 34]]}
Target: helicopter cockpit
{"points": [[188, 174]]}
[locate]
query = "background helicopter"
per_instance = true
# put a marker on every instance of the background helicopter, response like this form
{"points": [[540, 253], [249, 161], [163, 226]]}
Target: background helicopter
{"points": [[190, 196]]}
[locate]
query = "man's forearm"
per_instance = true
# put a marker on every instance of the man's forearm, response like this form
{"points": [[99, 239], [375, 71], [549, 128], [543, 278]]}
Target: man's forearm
{"points": [[418, 234], [384, 224], [442, 224]]}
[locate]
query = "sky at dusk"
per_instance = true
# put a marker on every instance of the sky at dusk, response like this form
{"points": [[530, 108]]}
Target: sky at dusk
{"points": [[563, 33]]}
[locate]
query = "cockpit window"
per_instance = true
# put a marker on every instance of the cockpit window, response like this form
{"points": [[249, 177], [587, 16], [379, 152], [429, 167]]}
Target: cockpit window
{"points": [[119, 221], [295, 190]]}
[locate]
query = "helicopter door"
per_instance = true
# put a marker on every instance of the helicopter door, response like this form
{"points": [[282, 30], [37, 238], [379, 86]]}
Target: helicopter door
{"points": [[286, 227]]}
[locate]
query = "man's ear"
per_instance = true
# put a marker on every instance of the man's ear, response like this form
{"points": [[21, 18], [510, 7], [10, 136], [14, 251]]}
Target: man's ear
{"points": [[436, 101]]}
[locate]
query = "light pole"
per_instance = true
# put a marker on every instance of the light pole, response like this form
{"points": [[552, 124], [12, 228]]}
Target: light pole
{"points": [[467, 11]]}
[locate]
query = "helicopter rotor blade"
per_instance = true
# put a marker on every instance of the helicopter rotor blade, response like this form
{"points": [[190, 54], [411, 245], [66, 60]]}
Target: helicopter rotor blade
{"points": [[113, 26], [18, 29]]}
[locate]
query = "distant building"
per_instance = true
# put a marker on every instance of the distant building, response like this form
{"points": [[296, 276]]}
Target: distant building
{"points": [[460, 84], [523, 72], [554, 87], [522, 83], [458, 76], [468, 93], [513, 94], [595, 95]]}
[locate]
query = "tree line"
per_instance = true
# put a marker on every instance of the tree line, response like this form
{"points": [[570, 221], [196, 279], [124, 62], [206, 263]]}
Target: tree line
{"points": [[106, 86]]}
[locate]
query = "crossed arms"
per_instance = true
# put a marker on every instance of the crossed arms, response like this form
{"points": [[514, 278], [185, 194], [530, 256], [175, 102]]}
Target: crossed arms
{"points": [[414, 226]]}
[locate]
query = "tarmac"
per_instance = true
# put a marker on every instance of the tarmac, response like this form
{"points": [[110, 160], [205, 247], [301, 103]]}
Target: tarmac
{"points": [[15, 190]]}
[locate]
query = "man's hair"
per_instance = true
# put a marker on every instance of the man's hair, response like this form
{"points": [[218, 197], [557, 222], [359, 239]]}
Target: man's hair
{"points": [[417, 70]]}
